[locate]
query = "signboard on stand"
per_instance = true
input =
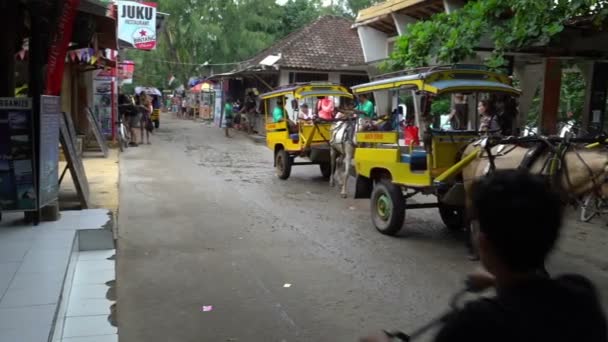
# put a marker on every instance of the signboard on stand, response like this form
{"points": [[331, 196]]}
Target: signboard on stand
{"points": [[103, 84], [137, 25], [17, 159], [50, 112]]}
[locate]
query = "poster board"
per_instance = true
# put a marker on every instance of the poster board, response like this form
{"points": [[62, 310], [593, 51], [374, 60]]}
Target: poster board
{"points": [[50, 113], [102, 99], [74, 163], [17, 156], [96, 130]]}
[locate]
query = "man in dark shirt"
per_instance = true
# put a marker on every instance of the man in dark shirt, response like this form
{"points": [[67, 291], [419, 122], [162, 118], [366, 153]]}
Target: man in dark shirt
{"points": [[519, 220]]}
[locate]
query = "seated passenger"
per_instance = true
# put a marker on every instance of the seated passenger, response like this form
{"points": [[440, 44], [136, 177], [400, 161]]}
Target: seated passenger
{"points": [[305, 113], [325, 108], [411, 133], [458, 116], [278, 114]]}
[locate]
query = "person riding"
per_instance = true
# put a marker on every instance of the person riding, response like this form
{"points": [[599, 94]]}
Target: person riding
{"points": [[365, 110], [278, 114], [489, 122], [365, 107], [325, 108], [519, 217], [305, 113], [458, 116]]}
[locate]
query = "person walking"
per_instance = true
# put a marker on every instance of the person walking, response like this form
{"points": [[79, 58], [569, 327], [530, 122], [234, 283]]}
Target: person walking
{"points": [[228, 113], [146, 120]]}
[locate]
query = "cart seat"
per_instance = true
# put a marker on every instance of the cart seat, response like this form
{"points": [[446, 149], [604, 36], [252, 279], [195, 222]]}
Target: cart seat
{"points": [[416, 159], [295, 137]]}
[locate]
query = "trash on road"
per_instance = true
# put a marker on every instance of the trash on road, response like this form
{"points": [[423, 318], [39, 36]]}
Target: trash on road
{"points": [[287, 285], [206, 308]]}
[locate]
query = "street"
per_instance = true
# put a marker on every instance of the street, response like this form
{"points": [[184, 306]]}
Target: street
{"points": [[213, 247]]}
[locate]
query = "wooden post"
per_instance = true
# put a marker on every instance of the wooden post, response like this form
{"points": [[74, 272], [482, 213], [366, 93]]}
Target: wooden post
{"points": [[550, 96], [8, 40]]}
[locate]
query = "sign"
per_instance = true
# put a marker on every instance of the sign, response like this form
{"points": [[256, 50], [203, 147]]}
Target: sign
{"points": [[126, 69], [50, 111], [102, 100], [137, 25], [79, 177], [96, 129], [59, 47], [17, 168]]}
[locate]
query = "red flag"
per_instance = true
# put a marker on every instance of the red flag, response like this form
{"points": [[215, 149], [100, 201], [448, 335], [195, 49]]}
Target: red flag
{"points": [[59, 46]]}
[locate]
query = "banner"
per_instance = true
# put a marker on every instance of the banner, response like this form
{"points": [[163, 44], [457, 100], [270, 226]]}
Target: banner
{"points": [[59, 47], [137, 25], [126, 69]]}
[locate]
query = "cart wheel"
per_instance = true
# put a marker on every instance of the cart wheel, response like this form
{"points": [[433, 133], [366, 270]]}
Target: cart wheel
{"points": [[156, 123], [388, 208], [452, 216], [283, 162], [325, 169]]}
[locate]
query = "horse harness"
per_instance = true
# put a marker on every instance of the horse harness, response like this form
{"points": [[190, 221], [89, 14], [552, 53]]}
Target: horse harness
{"points": [[555, 164]]}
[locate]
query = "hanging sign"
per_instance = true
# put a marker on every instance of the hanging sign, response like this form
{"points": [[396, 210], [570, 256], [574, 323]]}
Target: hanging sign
{"points": [[59, 47], [137, 25]]}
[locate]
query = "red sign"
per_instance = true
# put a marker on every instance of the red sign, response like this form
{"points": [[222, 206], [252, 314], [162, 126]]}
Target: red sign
{"points": [[59, 47], [125, 72]]}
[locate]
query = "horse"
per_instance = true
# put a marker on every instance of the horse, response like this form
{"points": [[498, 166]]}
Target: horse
{"points": [[342, 146], [343, 142], [580, 171]]}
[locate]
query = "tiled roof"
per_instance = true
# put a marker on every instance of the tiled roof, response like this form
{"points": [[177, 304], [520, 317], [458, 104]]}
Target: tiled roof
{"points": [[329, 43]]}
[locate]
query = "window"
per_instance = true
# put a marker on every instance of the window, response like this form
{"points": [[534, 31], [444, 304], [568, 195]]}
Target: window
{"points": [[300, 77]]}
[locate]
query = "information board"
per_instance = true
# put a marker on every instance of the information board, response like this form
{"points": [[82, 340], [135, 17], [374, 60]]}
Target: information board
{"points": [[50, 112], [17, 166]]}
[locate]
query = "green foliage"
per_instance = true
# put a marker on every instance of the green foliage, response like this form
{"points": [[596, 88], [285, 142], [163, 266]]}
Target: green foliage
{"points": [[212, 32], [509, 25], [299, 13], [202, 34]]}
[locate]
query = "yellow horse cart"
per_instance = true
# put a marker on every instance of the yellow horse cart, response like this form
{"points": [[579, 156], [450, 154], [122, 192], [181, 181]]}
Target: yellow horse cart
{"points": [[288, 136], [391, 173]]}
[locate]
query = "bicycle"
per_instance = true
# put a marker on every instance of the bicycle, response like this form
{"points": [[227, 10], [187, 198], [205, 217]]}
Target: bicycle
{"points": [[123, 135]]}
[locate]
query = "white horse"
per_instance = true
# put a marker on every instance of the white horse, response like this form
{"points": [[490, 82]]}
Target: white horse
{"points": [[342, 146]]}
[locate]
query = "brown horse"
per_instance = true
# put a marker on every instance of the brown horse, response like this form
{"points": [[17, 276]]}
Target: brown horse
{"points": [[582, 170]]}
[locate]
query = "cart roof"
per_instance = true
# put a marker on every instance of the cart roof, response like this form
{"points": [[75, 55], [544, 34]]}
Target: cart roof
{"points": [[302, 90], [440, 80]]}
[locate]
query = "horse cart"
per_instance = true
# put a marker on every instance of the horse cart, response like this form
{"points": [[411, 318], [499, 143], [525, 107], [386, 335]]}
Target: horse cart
{"points": [[390, 173], [291, 137]]}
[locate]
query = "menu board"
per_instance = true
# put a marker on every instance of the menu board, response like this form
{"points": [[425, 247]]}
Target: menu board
{"points": [[17, 168], [50, 111]]}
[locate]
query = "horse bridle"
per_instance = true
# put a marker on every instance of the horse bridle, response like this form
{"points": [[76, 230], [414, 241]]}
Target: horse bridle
{"points": [[556, 163]]}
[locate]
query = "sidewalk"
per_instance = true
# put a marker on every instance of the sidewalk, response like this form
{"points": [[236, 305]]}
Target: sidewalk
{"points": [[53, 276], [102, 174]]}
